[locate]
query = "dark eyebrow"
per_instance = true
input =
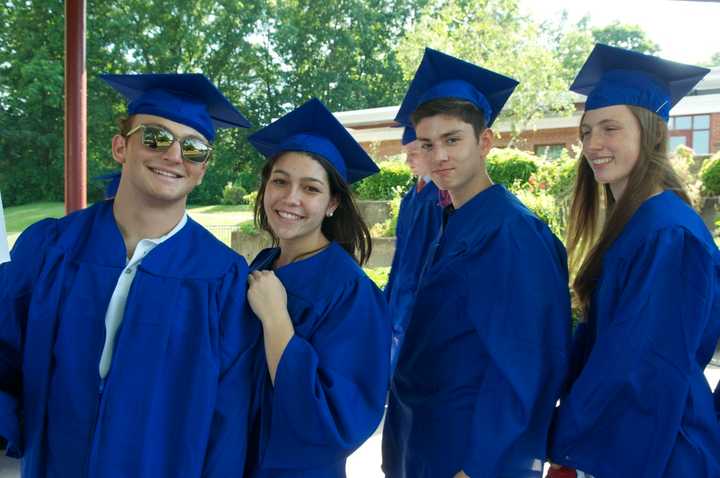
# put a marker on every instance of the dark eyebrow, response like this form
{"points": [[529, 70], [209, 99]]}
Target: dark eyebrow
{"points": [[451, 133], [314, 180], [307, 178], [444, 135]]}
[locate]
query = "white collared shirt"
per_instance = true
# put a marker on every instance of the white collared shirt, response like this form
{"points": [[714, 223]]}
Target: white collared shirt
{"points": [[4, 252], [116, 308]]}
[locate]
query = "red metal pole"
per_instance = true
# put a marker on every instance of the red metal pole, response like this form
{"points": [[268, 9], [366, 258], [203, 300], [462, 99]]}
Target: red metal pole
{"points": [[75, 107]]}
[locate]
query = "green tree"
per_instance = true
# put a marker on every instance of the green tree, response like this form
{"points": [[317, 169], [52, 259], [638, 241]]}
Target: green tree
{"points": [[713, 61], [571, 42], [495, 35], [209, 36], [630, 37], [341, 53], [267, 56], [31, 100]]}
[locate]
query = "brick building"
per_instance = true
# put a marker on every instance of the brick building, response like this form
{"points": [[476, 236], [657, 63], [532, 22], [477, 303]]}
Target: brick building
{"points": [[694, 122]]}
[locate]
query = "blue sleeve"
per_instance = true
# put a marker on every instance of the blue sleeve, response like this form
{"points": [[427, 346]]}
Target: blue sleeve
{"points": [[628, 403], [234, 407], [17, 278], [582, 342], [330, 389], [520, 307], [400, 241]]}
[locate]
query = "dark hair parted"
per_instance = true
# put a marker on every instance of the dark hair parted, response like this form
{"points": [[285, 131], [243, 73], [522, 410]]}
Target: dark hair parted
{"points": [[590, 230], [455, 108], [346, 226]]}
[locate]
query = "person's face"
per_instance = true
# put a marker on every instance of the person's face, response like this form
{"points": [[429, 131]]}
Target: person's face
{"points": [[157, 176], [416, 160], [455, 157], [297, 197], [611, 145]]}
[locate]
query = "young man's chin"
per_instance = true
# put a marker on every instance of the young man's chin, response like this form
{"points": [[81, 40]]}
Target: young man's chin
{"points": [[158, 199], [444, 182]]}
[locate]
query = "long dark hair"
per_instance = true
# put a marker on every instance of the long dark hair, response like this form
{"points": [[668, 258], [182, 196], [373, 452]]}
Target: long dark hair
{"points": [[591, 231], [346, 226]]}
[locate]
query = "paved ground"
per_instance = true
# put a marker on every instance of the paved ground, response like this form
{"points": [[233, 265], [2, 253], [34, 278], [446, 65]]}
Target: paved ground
{"points": [[364, 463]]}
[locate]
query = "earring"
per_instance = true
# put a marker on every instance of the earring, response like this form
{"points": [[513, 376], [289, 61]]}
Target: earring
{"points": [[329, 213]]}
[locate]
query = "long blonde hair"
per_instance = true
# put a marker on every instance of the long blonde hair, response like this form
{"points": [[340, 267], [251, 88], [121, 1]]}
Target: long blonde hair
{"points": [[591, 230]]}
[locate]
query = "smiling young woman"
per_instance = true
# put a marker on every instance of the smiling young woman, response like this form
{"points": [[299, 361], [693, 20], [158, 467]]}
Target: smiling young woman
{"points": [[304, 203], [624, 149], [648, 282], [325, 324]]}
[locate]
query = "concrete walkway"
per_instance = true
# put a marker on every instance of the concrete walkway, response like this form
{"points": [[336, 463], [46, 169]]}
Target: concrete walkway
{"points": [[364, 463]]}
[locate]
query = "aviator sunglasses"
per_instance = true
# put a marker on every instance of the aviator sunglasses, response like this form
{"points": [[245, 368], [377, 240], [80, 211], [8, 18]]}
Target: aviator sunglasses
{"points": [[157, 138]]}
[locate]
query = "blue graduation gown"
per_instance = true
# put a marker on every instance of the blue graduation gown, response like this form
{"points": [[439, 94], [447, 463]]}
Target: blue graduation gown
{"points": [[332, 379], [640, 405], [485, 351], [176, 401], [418, 225]]}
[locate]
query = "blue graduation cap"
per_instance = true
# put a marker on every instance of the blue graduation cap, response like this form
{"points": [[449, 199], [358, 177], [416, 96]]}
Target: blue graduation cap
{"points": [[443, 76], [408, 135], [111, 182], [312, 128], [615, 76], [189, 99]]}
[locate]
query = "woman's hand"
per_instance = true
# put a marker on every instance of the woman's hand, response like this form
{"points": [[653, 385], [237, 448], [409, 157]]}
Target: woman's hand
{"points": [[268, 299], [266, 295]]}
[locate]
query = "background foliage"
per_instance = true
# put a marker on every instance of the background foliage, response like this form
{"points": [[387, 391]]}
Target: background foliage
{"points": [[710, 175], [268, 56], [394, 174]]}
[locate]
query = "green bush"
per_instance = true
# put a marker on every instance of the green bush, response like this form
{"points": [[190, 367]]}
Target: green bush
{"points": [[682, 161], [233, 193], [379, 275], [389, 226], [545, 208], [250, 198], [381, 186], [507, 165], [710, 175], [248, 228], [557, 177]]}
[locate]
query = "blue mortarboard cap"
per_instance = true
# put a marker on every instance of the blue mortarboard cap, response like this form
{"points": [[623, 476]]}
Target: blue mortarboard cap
{"points": [[615, 76], [443, 76], [111, 182], [408, 135], [190, 99], [312, 128]]}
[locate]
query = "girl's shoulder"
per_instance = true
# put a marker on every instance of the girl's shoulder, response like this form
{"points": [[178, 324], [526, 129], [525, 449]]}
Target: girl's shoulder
{"points": [[662, 215]]}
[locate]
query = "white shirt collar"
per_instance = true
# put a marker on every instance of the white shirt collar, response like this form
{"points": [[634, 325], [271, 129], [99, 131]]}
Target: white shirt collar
{"points": [[146, 245]]}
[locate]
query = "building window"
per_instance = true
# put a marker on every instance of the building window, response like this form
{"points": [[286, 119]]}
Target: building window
{"points": [[549, 151], [692, 131], [676, 141]]}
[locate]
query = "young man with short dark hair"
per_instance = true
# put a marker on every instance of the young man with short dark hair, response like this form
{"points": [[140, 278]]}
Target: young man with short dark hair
{"points": [[485, 349]]}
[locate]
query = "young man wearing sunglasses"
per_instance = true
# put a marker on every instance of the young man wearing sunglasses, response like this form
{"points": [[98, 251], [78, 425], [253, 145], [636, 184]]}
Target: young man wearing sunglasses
{"points": [[122, 346]]}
